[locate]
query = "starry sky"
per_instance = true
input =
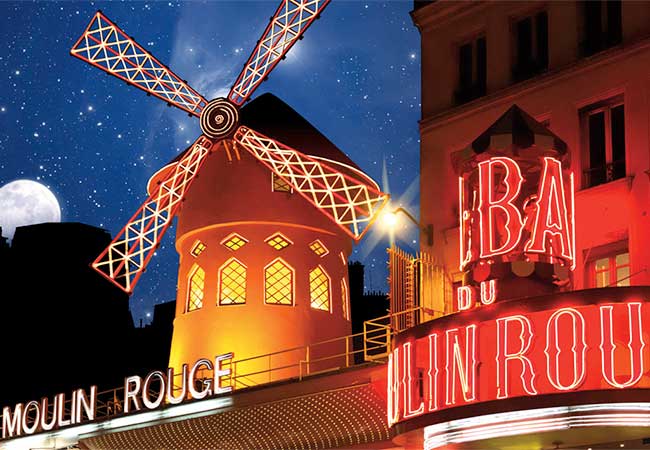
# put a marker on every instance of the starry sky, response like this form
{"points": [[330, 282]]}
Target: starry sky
{"points": [[94, 141]]}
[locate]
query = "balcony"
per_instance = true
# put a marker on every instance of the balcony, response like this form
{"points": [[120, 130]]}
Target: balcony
{"points": [[594, 176]]}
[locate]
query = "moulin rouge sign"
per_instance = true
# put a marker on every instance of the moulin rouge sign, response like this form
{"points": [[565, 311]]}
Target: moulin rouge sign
{"points": [[157, 389], [594, 340], [515, 351]]}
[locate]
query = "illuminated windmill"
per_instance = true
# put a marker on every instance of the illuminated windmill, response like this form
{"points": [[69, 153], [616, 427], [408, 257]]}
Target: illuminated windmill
{"points": [[234, 208]]}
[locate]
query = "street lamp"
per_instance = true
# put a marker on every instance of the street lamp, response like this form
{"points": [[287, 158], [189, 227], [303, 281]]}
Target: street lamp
{"points": [[390, 219]]}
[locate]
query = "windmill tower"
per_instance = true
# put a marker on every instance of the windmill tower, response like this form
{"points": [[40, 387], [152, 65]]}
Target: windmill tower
{"points": [[261, 270], [264, 234]]}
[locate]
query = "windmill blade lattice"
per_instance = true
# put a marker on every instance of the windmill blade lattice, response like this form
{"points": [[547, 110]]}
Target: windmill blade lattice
{"points": [[287, 25], [125, 259], [107, 47], [350, 203]]}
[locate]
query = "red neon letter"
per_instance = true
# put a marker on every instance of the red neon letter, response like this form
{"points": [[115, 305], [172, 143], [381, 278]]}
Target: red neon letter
{"points": [[465, 297], [464, 371], [505, 354], [554, 352], [513, 225], [488, 292], [551, 222], [635, 345], [392, 386], [433, 372], [408, 382]]}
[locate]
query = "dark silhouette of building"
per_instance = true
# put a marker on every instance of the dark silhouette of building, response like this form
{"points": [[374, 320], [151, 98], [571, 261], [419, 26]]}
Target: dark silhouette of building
{"points": [[363, 305], [64, 326], [153, 341]]}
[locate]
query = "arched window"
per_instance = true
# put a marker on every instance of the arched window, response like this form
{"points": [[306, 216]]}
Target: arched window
{"points": [[319, 289], [345, 299], [232, 283], [278, 283], [195, 285]]}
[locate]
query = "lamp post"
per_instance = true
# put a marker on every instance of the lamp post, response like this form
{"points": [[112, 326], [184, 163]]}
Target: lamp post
{"points": [[390, 218]]}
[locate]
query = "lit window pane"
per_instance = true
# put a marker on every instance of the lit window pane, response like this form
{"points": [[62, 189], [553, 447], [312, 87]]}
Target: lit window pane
{"points": [[278, 283], [622, 276], [232, 290], [197, 248], [602, 264], [345, 300], [234, 242], [319, 248], [623, 259], [319, 289], [195, 289], [278, 241], [602, 279]]}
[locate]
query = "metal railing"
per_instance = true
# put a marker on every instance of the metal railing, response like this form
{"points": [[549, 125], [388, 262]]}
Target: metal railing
{"points": [[289, 364], [611, 171], [378, 333]]}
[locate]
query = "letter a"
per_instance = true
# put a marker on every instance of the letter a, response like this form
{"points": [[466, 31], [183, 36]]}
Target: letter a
{"points": [[552, 218]]}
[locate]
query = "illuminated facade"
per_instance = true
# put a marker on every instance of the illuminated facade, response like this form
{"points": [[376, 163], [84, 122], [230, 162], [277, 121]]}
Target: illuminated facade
{"points": [[534, 205], [272, 269], [578, 68], [524, 323]]}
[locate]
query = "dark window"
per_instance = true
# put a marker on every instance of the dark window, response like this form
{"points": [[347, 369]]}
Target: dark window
{"points": [[604, 132], [602, 25], [531, 46], [472, 70]]}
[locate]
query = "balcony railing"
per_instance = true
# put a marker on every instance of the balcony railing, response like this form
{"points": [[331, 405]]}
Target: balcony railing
{"points": [[291, 364], [594, 176]]}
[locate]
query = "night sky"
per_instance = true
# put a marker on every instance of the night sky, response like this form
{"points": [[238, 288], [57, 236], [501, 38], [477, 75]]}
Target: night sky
{"points": [[94, 141]]}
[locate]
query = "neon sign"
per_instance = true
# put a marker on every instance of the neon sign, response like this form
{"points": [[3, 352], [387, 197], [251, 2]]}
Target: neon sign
{"points": [[149, 393], [503, 352], [507, 215]]}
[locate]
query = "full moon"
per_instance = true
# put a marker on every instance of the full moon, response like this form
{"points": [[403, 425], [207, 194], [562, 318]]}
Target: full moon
{"points": [[26, 202]]}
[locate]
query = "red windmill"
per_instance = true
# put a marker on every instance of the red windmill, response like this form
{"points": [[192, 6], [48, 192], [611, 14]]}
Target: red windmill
{"points": [[351, 203], [273, 265]]}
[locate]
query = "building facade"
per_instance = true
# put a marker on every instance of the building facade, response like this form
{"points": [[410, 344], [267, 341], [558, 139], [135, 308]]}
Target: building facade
{"points": [[509, 91], [580, 68]]}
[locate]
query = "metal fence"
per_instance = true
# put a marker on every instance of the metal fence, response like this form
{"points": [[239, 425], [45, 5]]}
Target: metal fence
{"points": [[421, 289]]}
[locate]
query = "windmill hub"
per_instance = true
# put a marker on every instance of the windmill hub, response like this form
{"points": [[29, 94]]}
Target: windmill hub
{"points": [[219, 118]]}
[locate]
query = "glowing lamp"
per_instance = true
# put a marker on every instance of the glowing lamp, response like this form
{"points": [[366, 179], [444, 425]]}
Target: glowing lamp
{"points": [[390, 219]]}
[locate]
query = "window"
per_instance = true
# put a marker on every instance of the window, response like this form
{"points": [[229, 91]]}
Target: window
{"points": [[278, 241], [345, 299], [195, 285], [319, 248], [472, 67], [232, 283], [604, 138], [278, 283], [234, 242], [531, 46], [612, 270], [197, 248], [602, 25], [319, 289], [279, 185]]}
